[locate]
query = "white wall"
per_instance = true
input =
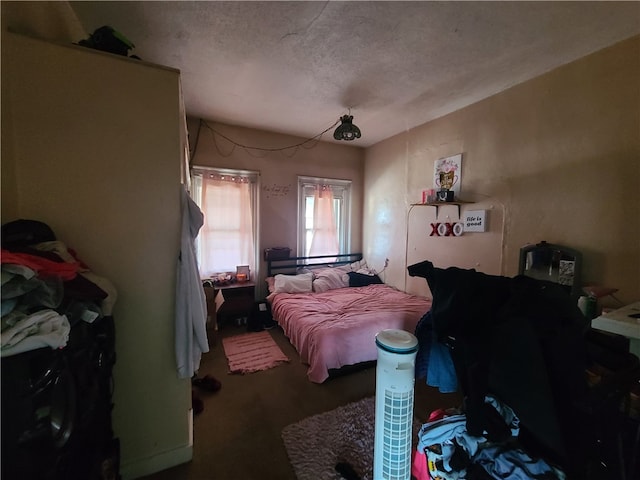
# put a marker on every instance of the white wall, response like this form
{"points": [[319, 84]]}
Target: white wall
{"points": [[92, 145]]}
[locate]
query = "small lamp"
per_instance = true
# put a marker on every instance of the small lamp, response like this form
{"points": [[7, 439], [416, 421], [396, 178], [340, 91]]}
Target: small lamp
{"points": [[347, 130]]}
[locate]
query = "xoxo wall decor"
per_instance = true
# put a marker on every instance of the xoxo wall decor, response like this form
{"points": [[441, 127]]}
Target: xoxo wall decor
{"points": [[446, 229]]}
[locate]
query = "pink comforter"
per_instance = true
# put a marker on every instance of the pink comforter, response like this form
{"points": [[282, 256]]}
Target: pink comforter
{"points": [[338, 327]]}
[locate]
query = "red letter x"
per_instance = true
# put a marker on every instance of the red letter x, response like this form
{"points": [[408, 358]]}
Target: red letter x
{"points": [[449, 229]]}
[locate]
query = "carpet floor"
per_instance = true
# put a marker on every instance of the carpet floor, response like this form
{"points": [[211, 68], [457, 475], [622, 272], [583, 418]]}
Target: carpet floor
{"points": [[239, 433], [346, 434]]}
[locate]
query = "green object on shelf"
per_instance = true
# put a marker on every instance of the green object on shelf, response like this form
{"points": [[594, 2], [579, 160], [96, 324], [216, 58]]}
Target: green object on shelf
{"points": [[108, 39]]}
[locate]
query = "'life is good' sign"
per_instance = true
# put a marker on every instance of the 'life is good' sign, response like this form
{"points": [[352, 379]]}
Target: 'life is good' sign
{"points": [[475, 221]]}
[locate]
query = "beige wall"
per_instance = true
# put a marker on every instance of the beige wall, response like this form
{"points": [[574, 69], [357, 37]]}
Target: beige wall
{"points": [[95, 153], [7, 161], [278, 175], [556, 158]]}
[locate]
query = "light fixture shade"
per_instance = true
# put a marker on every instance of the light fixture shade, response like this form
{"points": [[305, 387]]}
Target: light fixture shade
{"points": [[347, 130]]}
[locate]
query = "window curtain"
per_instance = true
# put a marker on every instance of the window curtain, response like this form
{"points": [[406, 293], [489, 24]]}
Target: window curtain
{"points": [[325, 235], [227, 237]]}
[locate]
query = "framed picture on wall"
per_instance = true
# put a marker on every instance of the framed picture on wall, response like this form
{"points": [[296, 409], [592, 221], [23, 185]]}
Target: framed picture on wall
{"points": [[447, 173]]}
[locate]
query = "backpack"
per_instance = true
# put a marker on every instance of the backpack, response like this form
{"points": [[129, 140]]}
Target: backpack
{"points": [[23, 233], [107, 39]]}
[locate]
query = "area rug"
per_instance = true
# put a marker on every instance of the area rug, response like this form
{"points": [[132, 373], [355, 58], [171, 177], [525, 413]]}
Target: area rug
{"points": [[314, 445], [252, 352]]}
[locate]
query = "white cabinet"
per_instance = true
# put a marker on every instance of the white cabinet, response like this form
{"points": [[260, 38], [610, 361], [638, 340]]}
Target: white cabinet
{"points": [[92, 146]]}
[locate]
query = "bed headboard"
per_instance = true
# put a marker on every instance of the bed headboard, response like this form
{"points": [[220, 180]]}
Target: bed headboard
{"points": [[292, 264]]}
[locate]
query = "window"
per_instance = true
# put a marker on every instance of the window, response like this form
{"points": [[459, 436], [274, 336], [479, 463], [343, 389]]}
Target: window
{"points": [[323, 216], [228, 238]]}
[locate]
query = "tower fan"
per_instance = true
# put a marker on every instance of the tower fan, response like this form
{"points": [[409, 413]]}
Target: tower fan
{"points": [[395, 378]]}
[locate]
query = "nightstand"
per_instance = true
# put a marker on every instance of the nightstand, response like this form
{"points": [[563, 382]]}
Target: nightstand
{"points": [[238, 302]]}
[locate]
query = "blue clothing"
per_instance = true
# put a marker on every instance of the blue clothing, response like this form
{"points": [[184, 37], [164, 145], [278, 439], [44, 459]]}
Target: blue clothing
{"points": [[442, 440], [514, 464], [433, 360], [441, 372]]}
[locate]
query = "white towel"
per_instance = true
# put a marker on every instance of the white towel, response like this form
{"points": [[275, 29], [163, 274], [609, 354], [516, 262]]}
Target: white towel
{"points": [[45, 328]]}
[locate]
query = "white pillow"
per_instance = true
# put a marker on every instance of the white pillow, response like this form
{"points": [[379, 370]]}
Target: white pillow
{"points": [[366, 271], [361, 267], [358, 265], [330, 279], [270, 284], [293, 283]]}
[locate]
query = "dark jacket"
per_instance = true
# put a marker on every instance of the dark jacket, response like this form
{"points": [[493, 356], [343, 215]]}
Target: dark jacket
{"points": [[520, 339]]}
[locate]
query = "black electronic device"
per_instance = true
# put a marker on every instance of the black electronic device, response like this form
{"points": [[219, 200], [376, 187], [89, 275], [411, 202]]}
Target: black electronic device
{"points": [[444, 195]]}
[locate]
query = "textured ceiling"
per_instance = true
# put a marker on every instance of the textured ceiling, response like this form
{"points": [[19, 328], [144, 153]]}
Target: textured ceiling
{"points": [[296, 67]]}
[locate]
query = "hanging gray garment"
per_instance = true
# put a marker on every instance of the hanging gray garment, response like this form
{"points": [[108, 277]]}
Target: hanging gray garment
{"points": [[191, 306]]}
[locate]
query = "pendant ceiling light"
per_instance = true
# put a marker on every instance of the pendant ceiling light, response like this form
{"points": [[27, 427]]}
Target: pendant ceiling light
{"points": [[347, 130]]}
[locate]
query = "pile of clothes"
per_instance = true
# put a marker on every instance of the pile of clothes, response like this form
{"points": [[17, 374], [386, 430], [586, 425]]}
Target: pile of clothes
{"points": [[46, 289], [447, 451]]}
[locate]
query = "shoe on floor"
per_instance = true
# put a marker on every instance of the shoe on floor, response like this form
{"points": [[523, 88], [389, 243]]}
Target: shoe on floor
{"points": [[196, 403], [207, 383]]}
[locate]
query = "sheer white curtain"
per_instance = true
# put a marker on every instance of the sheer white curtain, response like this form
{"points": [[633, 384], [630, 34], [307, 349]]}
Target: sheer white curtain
{"points": [[227, 237], [325, 234]]}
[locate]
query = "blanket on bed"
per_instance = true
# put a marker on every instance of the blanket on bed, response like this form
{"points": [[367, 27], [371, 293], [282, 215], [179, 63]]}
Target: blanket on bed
{"points": [[337, 328]]}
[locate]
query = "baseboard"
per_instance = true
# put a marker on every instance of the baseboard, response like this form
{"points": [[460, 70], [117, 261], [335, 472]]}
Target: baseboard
{"points": [[162, 461]]}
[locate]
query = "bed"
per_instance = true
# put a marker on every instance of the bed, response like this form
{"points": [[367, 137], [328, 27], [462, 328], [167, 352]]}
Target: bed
{"points": [[333, 325]]}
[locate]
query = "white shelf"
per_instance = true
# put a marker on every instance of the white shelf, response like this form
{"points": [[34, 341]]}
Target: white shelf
{"points": [[437, 205]]}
